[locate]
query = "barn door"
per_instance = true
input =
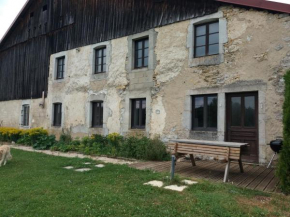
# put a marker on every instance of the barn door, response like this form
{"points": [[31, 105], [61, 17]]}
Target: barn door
{"points": [[242, 123]]}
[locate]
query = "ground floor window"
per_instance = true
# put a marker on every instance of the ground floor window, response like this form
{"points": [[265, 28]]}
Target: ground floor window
{"points": [[57, 114], [204, 112], [25, 115], [138, 114], [97, 114]]}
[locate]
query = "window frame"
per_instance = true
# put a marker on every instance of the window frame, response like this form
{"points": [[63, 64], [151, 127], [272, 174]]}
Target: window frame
{"points": [[104, 67], [101, 115], [57, 77], [25, 116], [204, 128], [54, 122], [133, 110], [135, 41], [207, 34]]}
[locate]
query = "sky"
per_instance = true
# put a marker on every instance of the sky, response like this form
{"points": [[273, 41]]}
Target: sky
{"points": [[8, 12], [10, 8]]}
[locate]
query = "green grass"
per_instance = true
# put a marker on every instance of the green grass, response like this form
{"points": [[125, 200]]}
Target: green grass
{"points": [[36, 185]]}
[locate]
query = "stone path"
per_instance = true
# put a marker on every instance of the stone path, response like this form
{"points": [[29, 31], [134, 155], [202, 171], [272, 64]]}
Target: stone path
{"points": [[74, 155], [160, 184]]}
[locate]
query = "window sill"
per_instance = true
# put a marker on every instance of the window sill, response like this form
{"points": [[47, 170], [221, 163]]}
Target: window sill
{"points": [[138, 129], [99, 76], [57, 127], [58, 80], [204, 130], [144, 69], [207, 60]]}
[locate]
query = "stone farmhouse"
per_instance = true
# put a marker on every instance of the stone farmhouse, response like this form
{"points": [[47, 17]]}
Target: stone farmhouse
{"points": [[199, 69]]}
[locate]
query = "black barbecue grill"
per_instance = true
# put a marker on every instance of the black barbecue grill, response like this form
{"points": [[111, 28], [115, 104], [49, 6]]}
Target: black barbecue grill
{"points": [[276, 146]]}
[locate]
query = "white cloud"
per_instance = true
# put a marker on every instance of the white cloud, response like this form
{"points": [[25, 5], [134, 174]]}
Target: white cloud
{"points": [[280, 1], [8, 12]]}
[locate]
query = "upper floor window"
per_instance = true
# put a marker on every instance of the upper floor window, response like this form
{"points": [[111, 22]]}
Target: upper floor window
{"points": [[141, 53], [60, 68], [97, 114], [204, 112], [206, 39], [100, 60], [25, 115], [138, 113], [57, 114]]}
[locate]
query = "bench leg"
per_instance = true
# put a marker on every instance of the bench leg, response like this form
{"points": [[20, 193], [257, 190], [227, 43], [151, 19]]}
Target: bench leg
{"points": [[192, 160], [241, 166], [227, 171]]}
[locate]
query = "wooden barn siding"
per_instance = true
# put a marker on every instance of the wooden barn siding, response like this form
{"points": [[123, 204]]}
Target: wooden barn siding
{"points": [[68, 24]]}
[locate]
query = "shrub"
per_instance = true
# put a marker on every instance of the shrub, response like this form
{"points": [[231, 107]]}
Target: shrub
{"points": [[44, 142], [27, 137], [8, 134], [283, 170]]}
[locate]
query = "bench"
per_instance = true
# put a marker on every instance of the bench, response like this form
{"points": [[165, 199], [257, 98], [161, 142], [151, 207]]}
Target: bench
{"points": [[227, 151]]}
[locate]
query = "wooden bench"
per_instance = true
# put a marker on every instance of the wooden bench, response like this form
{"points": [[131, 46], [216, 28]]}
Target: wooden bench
{"points": [[227, 151]]}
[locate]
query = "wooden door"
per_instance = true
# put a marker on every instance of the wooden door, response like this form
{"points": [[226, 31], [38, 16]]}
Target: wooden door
{"points": [[242, 123]]}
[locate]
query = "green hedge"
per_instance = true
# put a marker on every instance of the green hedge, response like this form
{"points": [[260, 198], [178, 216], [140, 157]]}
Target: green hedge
{"points": [[113, 145], [283, 170]]}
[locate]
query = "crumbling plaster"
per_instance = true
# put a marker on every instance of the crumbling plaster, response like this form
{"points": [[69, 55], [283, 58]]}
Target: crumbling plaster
{"points": [[256, 54]]}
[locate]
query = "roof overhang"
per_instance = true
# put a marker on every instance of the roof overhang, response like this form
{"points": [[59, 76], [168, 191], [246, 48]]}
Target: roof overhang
{"points": [[263, 4]]}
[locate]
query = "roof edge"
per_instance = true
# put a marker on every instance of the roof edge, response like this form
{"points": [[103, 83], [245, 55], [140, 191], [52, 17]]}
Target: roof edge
{"points": [[263, 4]]}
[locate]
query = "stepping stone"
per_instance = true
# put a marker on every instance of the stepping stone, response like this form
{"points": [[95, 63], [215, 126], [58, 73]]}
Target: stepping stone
{"points": [[69, 167], [189, 182], [155, 183], [83, 170], [87, 163], [175, 188], [100, 166]]}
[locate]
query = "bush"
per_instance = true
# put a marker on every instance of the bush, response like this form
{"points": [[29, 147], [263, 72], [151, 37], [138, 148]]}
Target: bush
{"points": [[283, 170], [26, 137], [113, 145], [44, 142]]}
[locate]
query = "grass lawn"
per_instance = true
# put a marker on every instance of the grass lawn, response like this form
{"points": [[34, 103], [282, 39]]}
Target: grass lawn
{"points": [[37, 185]]}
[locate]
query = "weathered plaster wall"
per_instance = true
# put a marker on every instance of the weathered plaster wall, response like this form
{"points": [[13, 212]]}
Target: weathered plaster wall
{"points": [[10, 113], [256, 54]]}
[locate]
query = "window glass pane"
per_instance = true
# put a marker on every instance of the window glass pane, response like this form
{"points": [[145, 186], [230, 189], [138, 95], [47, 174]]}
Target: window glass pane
{"points": [[214, 27], [146, 52], [104, 52], [139, 45], [100, 53], [99, 68], [200, 51], [200, 40], [214, 38], [146, 62], [139, 63], [212, 111], [250, 109], [146, 43], [143, 120], [213, 49], [200, 30], [136, 113], [139, 53], [236, 111], [104, 59], [198, 111], [104, 67]]}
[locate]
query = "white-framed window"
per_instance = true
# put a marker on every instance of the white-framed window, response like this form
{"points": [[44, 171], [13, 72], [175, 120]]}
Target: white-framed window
{"points": [[60, 66], [206, 38]]}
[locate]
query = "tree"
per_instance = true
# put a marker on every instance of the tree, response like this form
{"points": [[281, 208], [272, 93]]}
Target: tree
{"points": [[283, 170]]}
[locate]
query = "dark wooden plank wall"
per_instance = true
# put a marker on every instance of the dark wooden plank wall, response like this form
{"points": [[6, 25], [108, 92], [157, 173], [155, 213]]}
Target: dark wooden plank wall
{"points": [[68, 24]]}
